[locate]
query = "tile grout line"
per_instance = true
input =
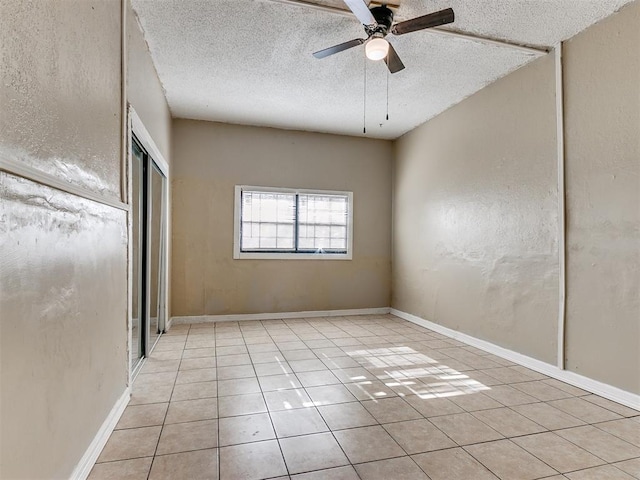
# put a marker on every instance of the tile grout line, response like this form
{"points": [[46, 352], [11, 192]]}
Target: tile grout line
{"points": [[167, 412], [275, 434], [215, 353]]}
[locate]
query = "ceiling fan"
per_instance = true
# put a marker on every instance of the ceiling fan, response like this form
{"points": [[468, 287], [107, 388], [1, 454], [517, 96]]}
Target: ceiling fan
{"points": [[378, 23]]}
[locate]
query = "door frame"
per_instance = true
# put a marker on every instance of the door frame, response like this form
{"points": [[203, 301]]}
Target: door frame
{"points": [[144, 138]]}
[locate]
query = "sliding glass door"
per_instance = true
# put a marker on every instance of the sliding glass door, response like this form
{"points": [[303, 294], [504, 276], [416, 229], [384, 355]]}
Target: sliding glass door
{"points": [[156, 246], [137, 216], [149, 219]]}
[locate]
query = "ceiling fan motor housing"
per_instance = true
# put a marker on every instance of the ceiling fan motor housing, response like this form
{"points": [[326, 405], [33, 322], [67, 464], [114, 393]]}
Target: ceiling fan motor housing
{"points": [[384, 18]]}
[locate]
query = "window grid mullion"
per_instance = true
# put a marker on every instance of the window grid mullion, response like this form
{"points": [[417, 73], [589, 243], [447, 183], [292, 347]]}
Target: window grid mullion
{"points": [[259, 223]]}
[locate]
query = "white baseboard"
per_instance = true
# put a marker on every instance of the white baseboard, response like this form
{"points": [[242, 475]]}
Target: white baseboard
{"points": [[604, 390], [279, 315], [189, 319], [84, 466]]}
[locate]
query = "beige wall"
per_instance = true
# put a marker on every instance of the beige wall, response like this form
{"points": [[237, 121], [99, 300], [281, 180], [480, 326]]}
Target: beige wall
{"points": [[144, 90], [475, 215], [602, 78], [475, 227], [210, 159], [63, 355]]}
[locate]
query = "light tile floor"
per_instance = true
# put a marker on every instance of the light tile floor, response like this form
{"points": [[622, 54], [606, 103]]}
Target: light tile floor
{"points": [[368, 397]]}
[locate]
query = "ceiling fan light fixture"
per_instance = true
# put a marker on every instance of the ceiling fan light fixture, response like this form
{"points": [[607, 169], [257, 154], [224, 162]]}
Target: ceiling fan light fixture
{"points": [[377, 48]]}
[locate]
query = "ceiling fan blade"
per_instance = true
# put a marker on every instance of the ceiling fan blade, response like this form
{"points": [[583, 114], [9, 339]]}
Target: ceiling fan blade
{"points": [[393, 60], [426, 21], [360, 10], [338, 48]]}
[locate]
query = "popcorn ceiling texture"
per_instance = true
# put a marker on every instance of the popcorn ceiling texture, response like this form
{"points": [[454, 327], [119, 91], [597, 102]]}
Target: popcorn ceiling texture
{"points": [[528, 22], [249, 61]]}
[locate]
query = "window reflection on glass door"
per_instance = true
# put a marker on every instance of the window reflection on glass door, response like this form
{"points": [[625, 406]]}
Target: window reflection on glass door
{"points": [[148, 240]]}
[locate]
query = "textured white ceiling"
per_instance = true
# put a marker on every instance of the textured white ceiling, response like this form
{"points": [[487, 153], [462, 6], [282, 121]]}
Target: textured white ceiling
{"points": [[250, 62], [529, 22]]}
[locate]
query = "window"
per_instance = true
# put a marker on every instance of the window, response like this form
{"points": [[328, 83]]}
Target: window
{"points": [[284, 223]]}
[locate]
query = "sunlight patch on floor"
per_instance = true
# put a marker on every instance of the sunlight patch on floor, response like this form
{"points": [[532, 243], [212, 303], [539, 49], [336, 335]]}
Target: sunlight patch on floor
{"points": [[408, 372]]}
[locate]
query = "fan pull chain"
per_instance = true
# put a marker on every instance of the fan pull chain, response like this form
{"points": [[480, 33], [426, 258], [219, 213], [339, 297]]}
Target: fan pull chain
{"points": [[364, 99], [387, 94]]}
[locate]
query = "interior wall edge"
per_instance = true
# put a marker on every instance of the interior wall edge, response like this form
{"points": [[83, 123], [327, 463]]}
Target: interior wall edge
{"points": [[84, 466], [605, 390], [124, 119], [562, 222]]}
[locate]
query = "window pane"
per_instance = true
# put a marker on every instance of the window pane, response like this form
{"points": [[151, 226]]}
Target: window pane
{"points": [[268, 243], [284, 242], [338, 232], [340, 244], [285, 230], [322, 221], [322, 243], [305, 243], [323, 231], [268, 221], [251, 242], [268, 230]]}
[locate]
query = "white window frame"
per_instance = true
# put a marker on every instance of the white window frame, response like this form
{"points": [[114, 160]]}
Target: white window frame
{"points": [[239, 255]]}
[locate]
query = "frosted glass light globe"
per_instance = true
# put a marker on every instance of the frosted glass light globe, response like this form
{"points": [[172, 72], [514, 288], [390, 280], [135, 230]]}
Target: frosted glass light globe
{"points": [[376, 49]]}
